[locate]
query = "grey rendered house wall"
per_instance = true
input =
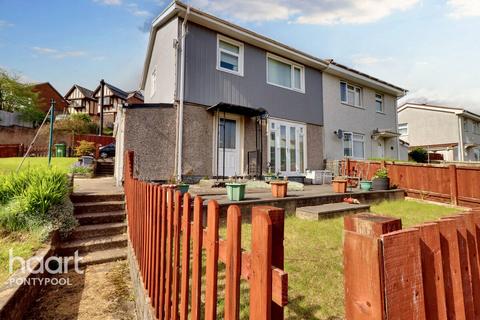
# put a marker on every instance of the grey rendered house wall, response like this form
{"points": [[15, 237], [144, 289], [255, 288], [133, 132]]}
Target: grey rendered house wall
{"points": [[427, 127], [358, 120], [208, 86], [164, 60]]}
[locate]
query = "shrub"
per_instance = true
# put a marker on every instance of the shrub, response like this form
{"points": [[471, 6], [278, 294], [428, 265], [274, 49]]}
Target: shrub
{"points": [[419, 155], [81, 170], [85, 148], [30, 199], [381, 173]]}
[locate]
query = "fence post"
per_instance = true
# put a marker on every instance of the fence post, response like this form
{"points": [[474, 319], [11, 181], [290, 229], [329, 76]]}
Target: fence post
{"points": [[348, 167], [453, 184]]}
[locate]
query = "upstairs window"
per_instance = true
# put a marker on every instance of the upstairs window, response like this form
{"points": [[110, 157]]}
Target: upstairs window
{"points": [[229, 55], [350, 94], [379, 103], [403, 129], [285, 74]]}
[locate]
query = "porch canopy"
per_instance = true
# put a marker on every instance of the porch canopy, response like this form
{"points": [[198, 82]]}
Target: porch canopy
{"points": [[254, 158], [384, 133]]}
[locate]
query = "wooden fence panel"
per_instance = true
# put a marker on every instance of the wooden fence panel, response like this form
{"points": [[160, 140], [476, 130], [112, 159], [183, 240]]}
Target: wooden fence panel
{"points": [[161, 231], [468, 183]]}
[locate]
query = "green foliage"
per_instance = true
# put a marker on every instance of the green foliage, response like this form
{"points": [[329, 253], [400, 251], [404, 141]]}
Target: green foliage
{"points": [[81, 170], [85, 148], [31, 199], [77, 123], [19, 97], [419, 155], [381, 173]]}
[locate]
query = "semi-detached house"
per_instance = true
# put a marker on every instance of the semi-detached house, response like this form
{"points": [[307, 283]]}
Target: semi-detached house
{"points": [[221, 100]]}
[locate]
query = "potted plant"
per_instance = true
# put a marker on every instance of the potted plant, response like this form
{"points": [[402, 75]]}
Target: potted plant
{"points": [[235, 190], [183, 187], [381, 181], [366, 185], [279, 188], [269, 176], [339, 185]]}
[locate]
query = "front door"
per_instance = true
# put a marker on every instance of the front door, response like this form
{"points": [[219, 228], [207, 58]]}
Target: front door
{"points": [[381, 148], [228, 147], [286, 147]]}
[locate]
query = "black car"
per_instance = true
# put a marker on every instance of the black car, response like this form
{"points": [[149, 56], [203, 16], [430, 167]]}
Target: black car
{"points": [[107, 151]]}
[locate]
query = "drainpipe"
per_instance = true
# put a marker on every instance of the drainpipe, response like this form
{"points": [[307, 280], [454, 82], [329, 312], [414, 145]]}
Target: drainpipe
{"points": [[461, 152], [181, 95]]}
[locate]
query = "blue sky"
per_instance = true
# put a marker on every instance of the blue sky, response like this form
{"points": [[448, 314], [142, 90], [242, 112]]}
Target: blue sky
{"points": [[430, 47]]}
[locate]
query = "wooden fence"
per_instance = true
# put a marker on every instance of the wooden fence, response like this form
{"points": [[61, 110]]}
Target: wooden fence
{"points": [[168, 239], [98, 140], [459, 185], [431, 271]]}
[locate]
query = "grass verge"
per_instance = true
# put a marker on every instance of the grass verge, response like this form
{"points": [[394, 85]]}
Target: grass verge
{"points": [[8, 165]]}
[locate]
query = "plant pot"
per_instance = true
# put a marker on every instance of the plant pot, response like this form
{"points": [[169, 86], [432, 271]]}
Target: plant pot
{"points": [[279, 188], [235, 191], [381, 183], [183, 188], [339, 186], [366, 185]]}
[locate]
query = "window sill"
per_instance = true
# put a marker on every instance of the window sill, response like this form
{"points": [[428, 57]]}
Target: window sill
{"points": [[381, 112], [240, 74], [353, 106], [286, 88]]}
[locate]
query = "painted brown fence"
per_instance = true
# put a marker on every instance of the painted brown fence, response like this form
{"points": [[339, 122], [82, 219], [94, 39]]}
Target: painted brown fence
{"points": [[10, 150], [431, 271], [168, 236], [98, 140], [459, 185]]}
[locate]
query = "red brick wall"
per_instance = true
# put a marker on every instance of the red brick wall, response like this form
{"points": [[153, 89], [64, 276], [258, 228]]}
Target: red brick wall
{"points": [[47, 92]]}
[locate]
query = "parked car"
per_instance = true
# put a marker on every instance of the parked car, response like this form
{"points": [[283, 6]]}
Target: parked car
{"points": [[107, 151]]}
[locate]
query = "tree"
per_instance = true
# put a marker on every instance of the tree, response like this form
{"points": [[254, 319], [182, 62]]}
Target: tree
{"points": [[16, 96], [419, 155]]}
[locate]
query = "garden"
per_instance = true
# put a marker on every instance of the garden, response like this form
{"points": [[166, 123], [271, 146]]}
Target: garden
{"points": [[33, 203]]}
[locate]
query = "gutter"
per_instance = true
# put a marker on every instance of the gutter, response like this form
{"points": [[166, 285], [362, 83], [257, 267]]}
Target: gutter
{"points": [[181, 96]]}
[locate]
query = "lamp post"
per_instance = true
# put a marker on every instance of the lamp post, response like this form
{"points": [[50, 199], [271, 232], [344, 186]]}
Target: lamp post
{"points": [[50, 141]]}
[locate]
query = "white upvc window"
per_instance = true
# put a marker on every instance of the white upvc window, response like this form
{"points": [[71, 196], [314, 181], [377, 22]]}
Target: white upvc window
{"points": [[379, 106], [354, 145], [350, 94], [153, 81], [403, 129], [285, 73], [229, 55]]}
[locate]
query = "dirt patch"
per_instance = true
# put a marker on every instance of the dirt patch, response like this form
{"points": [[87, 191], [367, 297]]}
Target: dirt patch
{"points": [[101, 292]]}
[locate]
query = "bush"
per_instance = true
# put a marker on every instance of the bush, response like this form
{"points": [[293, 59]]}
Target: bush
{"points": [[419, 155], [85, 148], [82, 170], [381, 173], [30, 199]]}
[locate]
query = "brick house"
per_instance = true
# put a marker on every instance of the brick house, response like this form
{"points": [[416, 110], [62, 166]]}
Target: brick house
{"points": [[46, 92]]}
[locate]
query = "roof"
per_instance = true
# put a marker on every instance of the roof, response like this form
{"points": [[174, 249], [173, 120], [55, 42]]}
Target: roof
{"points": [[177, 8], [35, 85], [136, 93], [456, 110], [237, 109], [116, 91], [86, 92]]}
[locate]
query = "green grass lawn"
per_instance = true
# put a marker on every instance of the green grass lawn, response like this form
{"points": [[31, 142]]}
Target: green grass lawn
{"points": [[23, 244], [8, 165], [314, 257]]}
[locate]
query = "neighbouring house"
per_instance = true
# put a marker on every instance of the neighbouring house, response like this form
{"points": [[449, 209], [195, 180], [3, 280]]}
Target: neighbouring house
{"points": [[236, 103], [451, 131], [81, 100], [46, 92], [135, 96]]}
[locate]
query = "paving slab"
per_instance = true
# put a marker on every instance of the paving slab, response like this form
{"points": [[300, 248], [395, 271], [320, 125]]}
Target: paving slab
{"points": [[330, 210]]}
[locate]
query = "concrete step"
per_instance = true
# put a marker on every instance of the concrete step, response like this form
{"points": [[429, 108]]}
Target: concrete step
{"points": [[92, 244], [100, 217], [330, 210], [98, 230], [102, 256], [82, 197], [104, 206]]}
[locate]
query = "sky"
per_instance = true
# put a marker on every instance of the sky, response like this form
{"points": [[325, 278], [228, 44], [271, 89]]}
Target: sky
{"points": [[430, 47]]}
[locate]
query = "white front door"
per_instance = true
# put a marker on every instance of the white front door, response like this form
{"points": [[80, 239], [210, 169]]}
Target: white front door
{"points": [[228, 137], [286, 147]]}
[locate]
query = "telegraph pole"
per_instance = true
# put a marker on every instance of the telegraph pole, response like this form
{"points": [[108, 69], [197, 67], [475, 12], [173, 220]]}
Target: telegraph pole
{"points": [[52, 119], [102, 86]]}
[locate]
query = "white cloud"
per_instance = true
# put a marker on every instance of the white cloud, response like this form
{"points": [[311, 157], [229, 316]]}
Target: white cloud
{"points": [[325, 12], [5, 24], [135, 10], [109, 2], [466, 98], [57, 54], [464, 8], [366, 60]]}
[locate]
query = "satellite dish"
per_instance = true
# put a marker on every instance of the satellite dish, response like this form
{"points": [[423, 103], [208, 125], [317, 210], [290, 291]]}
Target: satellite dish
{"points": [[339, 133]]}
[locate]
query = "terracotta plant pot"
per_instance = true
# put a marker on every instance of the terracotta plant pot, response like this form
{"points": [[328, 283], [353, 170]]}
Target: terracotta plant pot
{"points": [[279, 188], [339, 185]]}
